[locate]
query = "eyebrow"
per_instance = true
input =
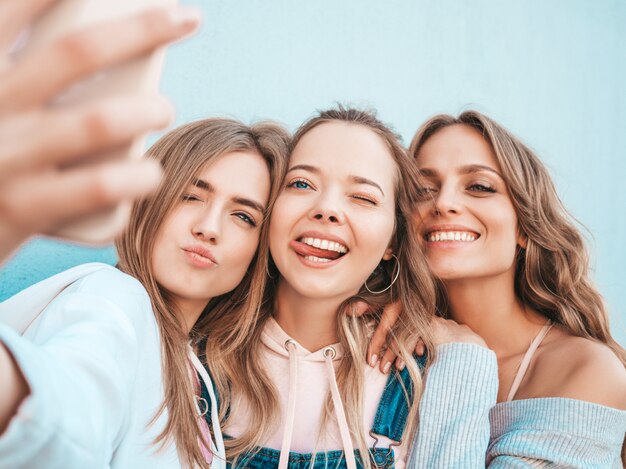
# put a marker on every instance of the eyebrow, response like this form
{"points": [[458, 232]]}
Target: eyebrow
{"points": [[206, 186], [469, 169], [355, 179]]}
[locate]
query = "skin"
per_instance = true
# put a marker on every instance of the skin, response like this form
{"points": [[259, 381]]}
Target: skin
{"points": [[35, 195], [340, 183], [220, 214], [469, 195], [216, 214]]}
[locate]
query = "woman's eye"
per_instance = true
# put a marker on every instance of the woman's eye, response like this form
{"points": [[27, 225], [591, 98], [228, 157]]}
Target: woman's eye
{"points": [[479, 187], [245, 217], [190, 198], [366, 198], [426, 191], [300, 184]]}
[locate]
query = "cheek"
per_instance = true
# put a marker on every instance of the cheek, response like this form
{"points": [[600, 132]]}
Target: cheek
{"points": [[241, 251]]}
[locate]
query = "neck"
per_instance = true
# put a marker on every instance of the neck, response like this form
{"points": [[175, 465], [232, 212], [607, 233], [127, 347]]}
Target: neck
{"points": [[312, 322], [490, 308], [190, 311]]}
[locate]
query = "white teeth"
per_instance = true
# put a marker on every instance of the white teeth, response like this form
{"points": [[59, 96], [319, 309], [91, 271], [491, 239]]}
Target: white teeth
{"points": [[316, 259], [325, 244], [451, 236]]}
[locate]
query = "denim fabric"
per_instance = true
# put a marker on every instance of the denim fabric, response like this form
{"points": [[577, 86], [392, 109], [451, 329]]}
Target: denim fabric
{"points": [[267, 458], [389, 421]]}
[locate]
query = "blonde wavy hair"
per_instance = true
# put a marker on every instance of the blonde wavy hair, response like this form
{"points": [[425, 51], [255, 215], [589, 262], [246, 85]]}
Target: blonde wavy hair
{"points": [[184, 153], [552, 272], [234, 339]]}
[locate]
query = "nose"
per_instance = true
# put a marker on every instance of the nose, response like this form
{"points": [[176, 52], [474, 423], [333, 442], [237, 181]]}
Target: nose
{"points": [[446, 201], [208, 225], [327, 210]]}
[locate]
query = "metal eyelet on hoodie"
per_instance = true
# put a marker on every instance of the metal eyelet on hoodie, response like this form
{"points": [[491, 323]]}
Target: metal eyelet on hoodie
{"points": [[330, 352], [289, 342]]}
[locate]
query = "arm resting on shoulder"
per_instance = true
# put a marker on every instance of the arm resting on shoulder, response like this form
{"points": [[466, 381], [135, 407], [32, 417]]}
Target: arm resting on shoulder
{"points": [[461, 387]]}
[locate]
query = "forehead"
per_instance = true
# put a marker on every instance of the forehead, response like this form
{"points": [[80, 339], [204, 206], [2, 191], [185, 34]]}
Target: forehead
{"points": [[341, 148], [244, 173], [456, 145]]}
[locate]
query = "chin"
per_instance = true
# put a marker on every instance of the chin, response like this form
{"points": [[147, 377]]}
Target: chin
{"points": [[317, 289]]}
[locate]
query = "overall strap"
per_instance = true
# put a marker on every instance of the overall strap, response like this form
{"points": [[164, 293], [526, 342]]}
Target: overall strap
{"points": [[393, 408]]}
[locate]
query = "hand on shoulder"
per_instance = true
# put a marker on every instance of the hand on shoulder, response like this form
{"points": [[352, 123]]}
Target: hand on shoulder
{"points": [[448, 331]]}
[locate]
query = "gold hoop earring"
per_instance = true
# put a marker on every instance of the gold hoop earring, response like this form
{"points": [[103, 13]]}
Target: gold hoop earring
{"points": [[396, 274]]}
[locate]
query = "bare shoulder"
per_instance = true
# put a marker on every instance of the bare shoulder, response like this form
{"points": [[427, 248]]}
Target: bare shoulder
{"points": [[579, 368]]}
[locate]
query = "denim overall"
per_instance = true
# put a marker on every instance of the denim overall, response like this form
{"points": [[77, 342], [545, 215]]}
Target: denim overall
{"points": [[389, 421]]}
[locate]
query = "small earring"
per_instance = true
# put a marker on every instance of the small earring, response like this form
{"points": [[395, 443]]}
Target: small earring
{"points": [[396, 274]]}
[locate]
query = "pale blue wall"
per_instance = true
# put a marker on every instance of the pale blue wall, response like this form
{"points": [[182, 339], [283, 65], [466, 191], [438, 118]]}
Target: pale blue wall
{"points": [[552, 71]]}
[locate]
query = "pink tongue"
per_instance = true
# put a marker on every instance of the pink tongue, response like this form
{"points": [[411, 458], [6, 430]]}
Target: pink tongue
{"points": [[306, 250]]}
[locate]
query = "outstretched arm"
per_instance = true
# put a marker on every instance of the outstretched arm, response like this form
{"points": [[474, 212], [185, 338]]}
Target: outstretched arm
{"points": [[35, 139]]}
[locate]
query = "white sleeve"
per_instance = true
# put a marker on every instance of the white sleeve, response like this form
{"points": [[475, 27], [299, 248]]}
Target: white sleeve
{"points": [[79, 361]]}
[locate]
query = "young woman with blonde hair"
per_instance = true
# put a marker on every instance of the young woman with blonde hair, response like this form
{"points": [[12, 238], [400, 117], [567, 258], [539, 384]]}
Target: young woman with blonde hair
{"points": [[104, 365], [293, 386], [513, 267]]}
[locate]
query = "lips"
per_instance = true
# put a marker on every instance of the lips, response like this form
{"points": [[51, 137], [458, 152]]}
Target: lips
{"points": [[200, 256], [450, 234], [319, 247], [306, 250]]}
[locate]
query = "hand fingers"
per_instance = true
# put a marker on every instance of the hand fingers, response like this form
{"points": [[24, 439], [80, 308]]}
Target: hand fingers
{"points": [[83, 53], [359, 308], [44, 202], [390, 315], [15, 15], [420, 348], [379, 339], [376, 345], [64, 135], [387, 360]]}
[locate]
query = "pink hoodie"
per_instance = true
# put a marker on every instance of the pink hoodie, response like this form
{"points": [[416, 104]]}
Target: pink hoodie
{"points": [[314, 374]]}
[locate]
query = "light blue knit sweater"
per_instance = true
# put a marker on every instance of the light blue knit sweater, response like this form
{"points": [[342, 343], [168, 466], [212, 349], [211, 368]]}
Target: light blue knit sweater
{"points": [[461, 426]]}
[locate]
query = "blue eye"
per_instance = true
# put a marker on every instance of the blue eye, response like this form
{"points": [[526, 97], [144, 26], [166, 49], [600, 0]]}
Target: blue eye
{"points": [[300, 184]]}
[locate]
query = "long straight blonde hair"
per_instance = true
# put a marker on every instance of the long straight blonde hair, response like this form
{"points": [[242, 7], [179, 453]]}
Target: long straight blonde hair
{"points": [[552, 272], [183, 153], [240, 371]]}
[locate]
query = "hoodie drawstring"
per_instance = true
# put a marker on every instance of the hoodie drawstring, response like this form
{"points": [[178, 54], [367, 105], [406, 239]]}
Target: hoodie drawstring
{"points": [[219, 461], [285, 448], [346, 439], [329, 354]]}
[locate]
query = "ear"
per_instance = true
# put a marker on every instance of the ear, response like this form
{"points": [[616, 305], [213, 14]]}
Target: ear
{"points": [[388, 254]]}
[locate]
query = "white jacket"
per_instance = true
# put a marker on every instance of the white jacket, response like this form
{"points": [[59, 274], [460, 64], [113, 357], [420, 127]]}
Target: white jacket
{"points": [[91, 355]]}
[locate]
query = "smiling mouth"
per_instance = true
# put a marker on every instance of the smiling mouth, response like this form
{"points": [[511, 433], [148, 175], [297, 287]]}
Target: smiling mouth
{"points": [[319, 250], [451, 236]]}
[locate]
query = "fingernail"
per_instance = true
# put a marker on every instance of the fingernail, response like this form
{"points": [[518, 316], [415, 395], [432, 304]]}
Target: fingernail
{"points": [[373, 360], [400, 364], [387, 367], [186, 17]]}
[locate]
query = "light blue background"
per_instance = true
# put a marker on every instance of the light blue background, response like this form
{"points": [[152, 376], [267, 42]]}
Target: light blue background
{"points": [[553, 72]]}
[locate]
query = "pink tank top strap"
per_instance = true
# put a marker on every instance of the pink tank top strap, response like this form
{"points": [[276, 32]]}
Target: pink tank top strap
{"points": [[524, 364]]}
